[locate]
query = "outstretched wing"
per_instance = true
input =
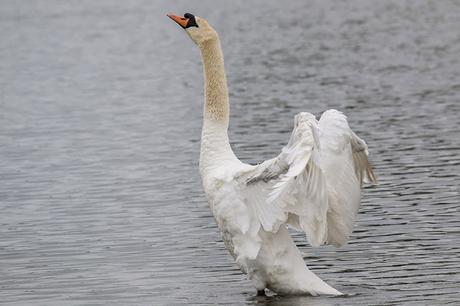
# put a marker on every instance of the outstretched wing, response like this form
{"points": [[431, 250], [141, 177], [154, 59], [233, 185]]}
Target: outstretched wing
{"points": [[292, 187], [315, 183], [345, 164]]}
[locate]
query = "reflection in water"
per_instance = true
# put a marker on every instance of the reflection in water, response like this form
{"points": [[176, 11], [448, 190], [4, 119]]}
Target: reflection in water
{"points": [[100, 197]]}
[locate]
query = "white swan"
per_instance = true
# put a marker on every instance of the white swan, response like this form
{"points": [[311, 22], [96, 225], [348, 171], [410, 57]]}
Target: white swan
{"points": [[314, 184]]}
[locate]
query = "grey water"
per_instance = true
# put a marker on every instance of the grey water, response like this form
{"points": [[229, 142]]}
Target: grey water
{"points": [[100, 117]]}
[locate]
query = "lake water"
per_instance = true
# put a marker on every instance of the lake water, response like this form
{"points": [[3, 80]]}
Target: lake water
{"points": [[101, 101]]}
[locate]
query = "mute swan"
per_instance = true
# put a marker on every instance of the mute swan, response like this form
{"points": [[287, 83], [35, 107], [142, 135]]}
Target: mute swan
{"points": [[314, 184]]}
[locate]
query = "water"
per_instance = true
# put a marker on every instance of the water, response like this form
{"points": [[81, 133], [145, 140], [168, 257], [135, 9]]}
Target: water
{"points": [[100, 196]]}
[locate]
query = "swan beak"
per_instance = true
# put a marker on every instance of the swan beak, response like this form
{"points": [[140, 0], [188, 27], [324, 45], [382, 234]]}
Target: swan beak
{"points": [[182, 21]]}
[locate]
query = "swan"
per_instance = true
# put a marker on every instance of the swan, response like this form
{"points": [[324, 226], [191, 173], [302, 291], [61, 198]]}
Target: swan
{"points": [[313, 185]]}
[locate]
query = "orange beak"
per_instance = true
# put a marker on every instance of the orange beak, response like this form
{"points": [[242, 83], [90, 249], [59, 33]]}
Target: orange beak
{"points": [[182, 21]]}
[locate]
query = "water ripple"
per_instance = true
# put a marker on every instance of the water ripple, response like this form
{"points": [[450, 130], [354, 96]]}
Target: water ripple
{"points": [[101, 114]]}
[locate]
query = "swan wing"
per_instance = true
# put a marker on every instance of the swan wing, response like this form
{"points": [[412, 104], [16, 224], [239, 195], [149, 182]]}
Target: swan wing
{"points": [[345, 164], [291, 187], [315, 183]]}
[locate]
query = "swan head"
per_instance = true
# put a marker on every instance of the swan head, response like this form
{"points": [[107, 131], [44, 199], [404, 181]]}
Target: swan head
{"points": [[197, 28]]}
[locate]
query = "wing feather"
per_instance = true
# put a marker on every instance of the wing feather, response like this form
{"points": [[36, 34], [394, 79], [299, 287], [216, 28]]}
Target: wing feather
{"points": [[295, 183], [363, 167], [315, 182], [345, 164]]}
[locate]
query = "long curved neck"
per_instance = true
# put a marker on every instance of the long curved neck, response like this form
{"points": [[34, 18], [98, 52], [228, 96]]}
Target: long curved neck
{"points": [[215, 146], [216, 106]]}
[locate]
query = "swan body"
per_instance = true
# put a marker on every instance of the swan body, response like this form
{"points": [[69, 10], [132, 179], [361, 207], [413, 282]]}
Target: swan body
{"points": [[313, 185]]}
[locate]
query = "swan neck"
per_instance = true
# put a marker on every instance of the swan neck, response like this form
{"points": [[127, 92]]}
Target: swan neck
{"points": [[215, 145], [216, 107]]}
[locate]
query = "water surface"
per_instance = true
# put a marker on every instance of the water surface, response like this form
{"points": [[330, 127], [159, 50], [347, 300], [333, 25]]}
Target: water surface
{"points": [[101, 102]]}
